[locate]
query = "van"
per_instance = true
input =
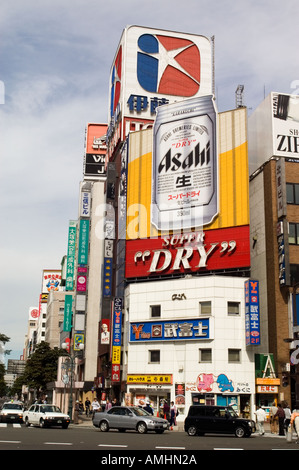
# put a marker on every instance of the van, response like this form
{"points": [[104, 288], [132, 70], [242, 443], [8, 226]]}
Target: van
{"points": [[204, 419]]}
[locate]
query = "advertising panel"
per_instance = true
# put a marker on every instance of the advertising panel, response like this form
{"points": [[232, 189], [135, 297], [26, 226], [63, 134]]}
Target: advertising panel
{"points": [[222, 244], [71, 253], [171, 330], [95, 151], [51, 281], [67, 318], [252, 313], [83, 241], [116, 339], [159, 68]]}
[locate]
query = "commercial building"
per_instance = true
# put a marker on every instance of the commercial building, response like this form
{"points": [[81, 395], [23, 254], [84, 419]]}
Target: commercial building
{"points": [[274, 216]]}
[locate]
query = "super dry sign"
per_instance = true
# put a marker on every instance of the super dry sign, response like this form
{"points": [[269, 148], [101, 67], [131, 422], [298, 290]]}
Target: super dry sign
{"points": [[188, 252]]}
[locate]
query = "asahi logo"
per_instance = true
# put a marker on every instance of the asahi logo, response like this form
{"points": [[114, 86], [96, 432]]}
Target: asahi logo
{"points": [[197, 157]]}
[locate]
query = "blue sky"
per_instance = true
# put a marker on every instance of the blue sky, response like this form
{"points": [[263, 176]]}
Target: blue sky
{"points": [[55, 63]]}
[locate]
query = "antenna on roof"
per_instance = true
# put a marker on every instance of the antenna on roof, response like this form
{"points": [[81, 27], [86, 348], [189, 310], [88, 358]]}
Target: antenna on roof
{"points": [[239, 96]]}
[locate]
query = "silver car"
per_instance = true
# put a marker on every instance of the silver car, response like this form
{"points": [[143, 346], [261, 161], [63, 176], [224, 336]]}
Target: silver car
{"points": [[129, 417]]}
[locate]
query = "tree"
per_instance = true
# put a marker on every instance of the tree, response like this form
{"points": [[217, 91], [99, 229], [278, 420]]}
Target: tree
{"points": [[41, 368]]}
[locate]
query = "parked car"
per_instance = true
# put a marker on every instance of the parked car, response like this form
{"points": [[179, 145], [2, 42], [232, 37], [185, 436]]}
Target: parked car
{"points": [[203, 419], [12, 412], [129, 417], [46, 415]]}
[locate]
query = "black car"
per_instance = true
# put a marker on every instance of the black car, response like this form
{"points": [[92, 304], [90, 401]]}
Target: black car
{"points": [[203, 419]]}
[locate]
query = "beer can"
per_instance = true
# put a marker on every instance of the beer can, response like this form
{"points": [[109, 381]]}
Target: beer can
{"points": [[184, 169]]}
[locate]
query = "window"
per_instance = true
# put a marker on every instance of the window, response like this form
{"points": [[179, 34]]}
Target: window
{"points": [[154, 356], [205, 308], [155, 311], [205, 355], [233, 308], [293, 233], [234, 355], [292, 193]]}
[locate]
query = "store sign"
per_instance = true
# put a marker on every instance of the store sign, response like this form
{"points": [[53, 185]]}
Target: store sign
{"points": [[116, 339], [267, 389], [71, 253], [188, 252], [172, 330], [67, 318], [285, 125], [153, 379], [83, 241], [252, 313]]}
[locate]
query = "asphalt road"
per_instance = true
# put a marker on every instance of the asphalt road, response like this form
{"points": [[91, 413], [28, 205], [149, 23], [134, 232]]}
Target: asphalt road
{"points": [[114, 443]]}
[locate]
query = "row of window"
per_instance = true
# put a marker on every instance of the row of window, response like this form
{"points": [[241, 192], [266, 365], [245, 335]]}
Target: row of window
{"points": [[205, 355], [205, 308]]}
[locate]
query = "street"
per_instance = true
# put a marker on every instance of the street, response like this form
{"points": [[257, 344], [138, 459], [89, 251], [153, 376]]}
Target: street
{"points": [[18, 437]]}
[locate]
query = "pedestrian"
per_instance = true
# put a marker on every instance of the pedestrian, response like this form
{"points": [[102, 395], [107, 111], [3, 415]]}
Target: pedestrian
{"points": [[87, 406], [95, 406], [108, 405], [166, 410], [273, 418], [287, 416], [76, 412], [173, 413], [295, 422], [280, 416], [260, 419], [148, 408]]}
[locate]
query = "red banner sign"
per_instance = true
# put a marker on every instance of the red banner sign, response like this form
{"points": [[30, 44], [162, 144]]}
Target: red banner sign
{"points": [[213, 250]]}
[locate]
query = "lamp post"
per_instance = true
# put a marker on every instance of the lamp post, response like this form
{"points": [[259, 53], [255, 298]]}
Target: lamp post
{"points": [[72, 358]]}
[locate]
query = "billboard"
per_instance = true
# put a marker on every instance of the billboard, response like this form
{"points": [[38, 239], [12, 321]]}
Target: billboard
{"points": [[221, 244], [51, 281], [171, 330], [95, 151], [152, 67], [274, 129]]}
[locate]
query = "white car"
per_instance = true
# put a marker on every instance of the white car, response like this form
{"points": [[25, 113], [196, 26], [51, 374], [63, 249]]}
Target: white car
{"points": [[12, 412], [46, 415]]}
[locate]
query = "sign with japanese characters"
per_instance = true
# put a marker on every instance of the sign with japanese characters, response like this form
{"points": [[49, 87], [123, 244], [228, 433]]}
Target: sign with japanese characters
{"points": [[116, 339], [149, 379], [171, 330], [252, 313], [71, 253]]}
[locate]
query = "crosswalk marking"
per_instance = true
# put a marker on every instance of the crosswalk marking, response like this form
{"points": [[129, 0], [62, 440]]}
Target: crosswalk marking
{"points": [[14, 425]]}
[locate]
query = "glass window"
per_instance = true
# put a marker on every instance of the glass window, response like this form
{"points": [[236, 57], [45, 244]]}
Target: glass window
{"points": [[234, 355], [155, 311], [205, 308], [293, 233], [205, 355], [292, 191], [233, 308], [154, 356]]}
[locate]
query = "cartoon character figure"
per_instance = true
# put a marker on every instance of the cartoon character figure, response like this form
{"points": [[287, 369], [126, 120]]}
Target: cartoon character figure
{"points": [[204, 382], [224, 383]]}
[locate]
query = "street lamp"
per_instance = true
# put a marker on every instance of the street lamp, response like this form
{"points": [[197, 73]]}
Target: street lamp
{"points": [[72, 358]]}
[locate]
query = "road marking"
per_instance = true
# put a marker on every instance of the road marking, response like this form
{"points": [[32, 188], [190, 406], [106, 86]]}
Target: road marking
{"points": [[168, 447], [227, 448], [10, 442], [59, 443], [111, 445], [15, 425]]}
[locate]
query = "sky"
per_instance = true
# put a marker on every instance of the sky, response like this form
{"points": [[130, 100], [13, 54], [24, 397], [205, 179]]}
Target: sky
{"points": [[55, 60]]}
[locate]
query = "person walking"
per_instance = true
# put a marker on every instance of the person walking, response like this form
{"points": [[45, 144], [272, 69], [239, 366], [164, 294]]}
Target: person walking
{"points": [[295, 422], [287, 416], [280, 415], [166, 410], [273, 419], [87, 406], [95, 406], [260, 419], [173, 413]]}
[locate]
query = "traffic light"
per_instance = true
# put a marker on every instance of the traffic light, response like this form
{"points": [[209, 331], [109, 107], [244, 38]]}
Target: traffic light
{"points": [[285, 380]]}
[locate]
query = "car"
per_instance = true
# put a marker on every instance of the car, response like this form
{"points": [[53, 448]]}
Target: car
{"points": [[44, 415], [12, 412], [129, 417], [202, 419]]}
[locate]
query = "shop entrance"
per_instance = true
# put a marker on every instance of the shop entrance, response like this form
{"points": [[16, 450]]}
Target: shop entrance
{"points": [[155, 398]]}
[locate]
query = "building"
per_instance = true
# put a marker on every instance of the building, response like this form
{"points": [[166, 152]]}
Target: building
{"points": [[274, 215]]}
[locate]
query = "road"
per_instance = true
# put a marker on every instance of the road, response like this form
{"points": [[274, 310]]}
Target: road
{"points": [[114, 443]]}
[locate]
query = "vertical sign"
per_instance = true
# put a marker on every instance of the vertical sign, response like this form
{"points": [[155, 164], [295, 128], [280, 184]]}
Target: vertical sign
{"points": [[67, 319], [83, 241], [116, 339], [71, 251], [252, 313]]}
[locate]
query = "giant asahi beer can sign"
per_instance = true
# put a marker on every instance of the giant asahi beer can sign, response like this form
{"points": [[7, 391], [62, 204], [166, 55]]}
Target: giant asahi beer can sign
{"points": [[184, 178]]}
